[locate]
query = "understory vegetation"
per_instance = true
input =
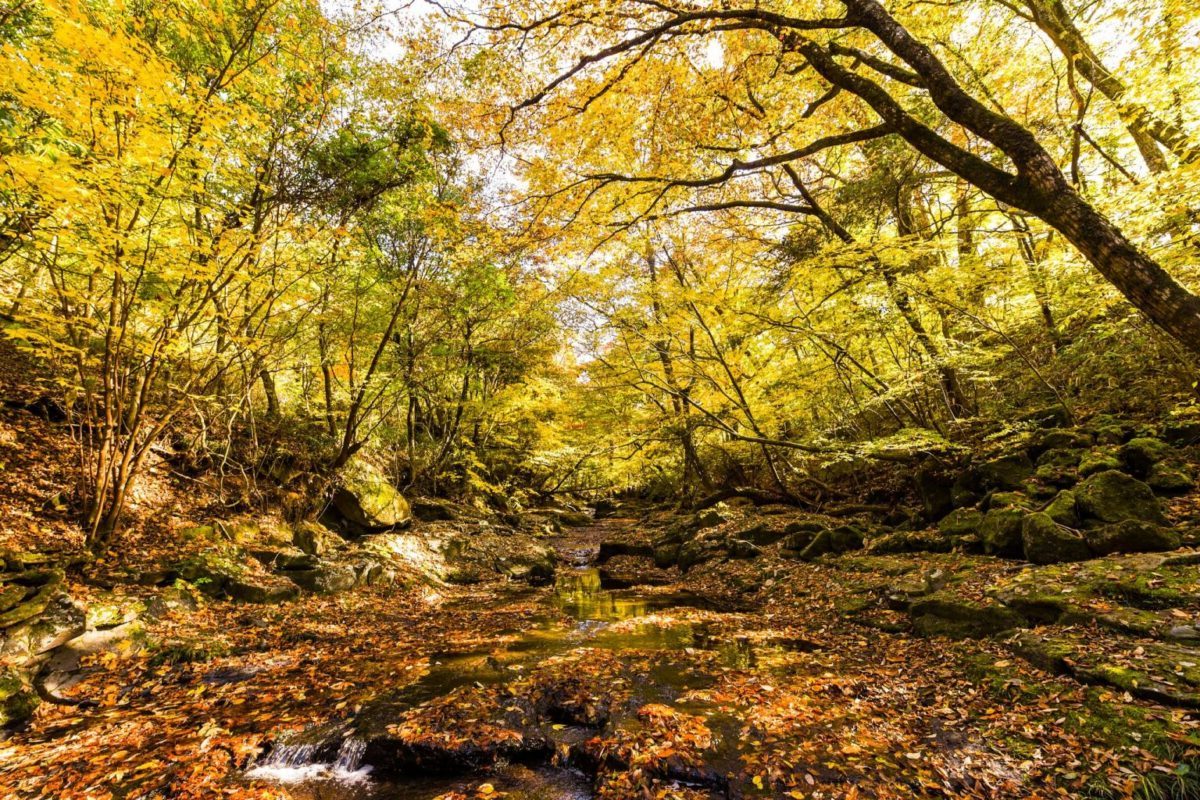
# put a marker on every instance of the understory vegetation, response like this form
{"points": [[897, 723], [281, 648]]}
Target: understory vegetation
{"points": [[599, 398]]}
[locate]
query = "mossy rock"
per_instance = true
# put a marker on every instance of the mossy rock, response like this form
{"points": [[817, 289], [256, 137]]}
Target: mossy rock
{"points": [[1170, 478], [324, 578], [18, 700], [1116, 497], [1140, 454], [369, 502], [1073, 439], [945, 614], [36, 588], [1131, 536], [1062, 509], [712, 517], [1009, 500], [961, 522], [315, 539], [1100, 459], [911, 542], [1000, 531], [1182, 431], [1045, 542], [1006, 473]]}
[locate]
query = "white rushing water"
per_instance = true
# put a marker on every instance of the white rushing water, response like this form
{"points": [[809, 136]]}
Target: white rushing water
{"points": [[293, 763]]}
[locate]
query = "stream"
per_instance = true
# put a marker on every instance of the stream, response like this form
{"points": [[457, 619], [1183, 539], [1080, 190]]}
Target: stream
{"points": [[329, 763]]}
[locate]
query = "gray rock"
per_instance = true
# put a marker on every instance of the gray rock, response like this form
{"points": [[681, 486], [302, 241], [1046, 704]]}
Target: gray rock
{"points": [[315, 539], [325, 578], [62, 620]]}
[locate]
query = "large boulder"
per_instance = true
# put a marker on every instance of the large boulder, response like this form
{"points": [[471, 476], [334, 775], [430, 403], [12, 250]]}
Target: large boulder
{"points": [[1131, 536], [224, 573], [1008, 472], [368, 502], [1000, 531], [1062, 509], [1098, 459], [1170, 478], [1140, 454], [1113, 496], [1045, 542], [961, 522]]}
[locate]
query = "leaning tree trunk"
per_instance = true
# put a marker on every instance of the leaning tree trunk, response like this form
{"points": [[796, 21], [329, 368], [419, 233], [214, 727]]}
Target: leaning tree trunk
{"points": [[1039, 187]]}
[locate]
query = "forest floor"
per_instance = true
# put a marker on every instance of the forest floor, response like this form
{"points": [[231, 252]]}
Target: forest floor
{"points": [[688, 686]]}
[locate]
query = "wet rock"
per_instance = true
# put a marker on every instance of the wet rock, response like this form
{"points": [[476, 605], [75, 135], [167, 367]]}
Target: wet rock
{"points": [[1007, 472], [1045, 542], [1116, 497], [315, 539], [1131, 536], [945, 614], [368, 502], [1170, 479], [1000, 531], [1140, 454], [573, 519], [532, 565]]}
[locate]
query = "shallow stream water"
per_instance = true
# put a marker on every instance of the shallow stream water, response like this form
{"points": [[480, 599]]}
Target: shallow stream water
{"points": [[579, 613]]}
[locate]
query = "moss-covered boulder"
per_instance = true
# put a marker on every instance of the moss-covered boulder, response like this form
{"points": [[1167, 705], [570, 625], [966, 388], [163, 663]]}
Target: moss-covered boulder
{"points": [[1131, 536], [368, 502], [1006, 473], [1062, 509], [1000, 531], [324, 578], [961, 522], [1045, 542], [1113, 496], [911, 542], [1182, 430], [1170, 478], [224, 573], [1100, 459], [1140, 454], [18, 700], [946, 614]]}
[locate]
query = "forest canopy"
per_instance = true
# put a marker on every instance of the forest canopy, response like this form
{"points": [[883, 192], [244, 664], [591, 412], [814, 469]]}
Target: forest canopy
{"points": [[523, 249]]}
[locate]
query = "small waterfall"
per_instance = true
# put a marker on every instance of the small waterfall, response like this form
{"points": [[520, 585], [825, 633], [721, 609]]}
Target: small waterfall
{"points": [[322, 753], [349, 757]]}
